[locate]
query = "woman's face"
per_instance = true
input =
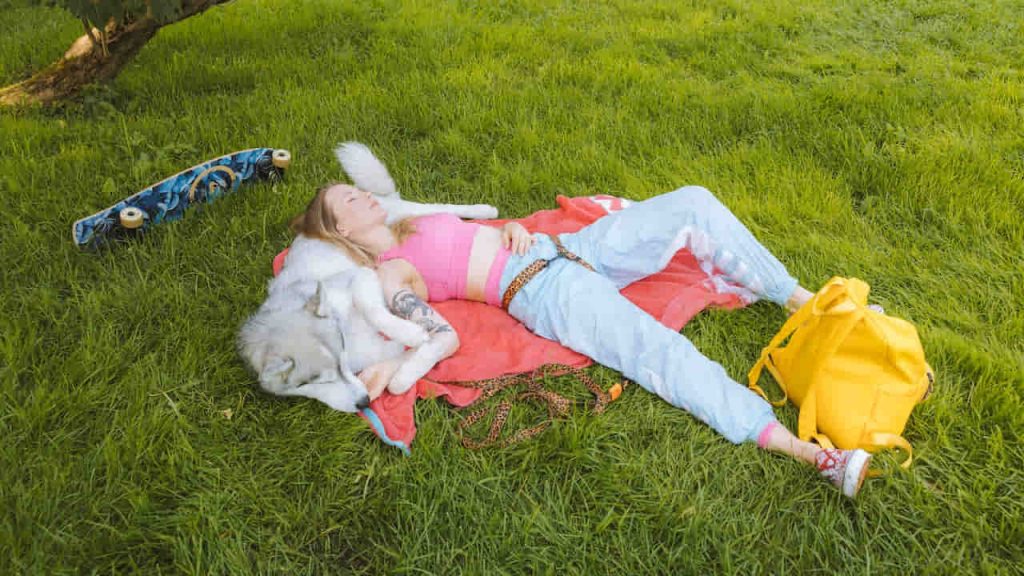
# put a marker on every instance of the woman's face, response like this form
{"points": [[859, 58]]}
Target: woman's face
{"points": [[354, 210]]}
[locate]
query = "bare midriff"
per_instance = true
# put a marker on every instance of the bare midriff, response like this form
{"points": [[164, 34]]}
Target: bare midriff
{"points": [[486, 249]]}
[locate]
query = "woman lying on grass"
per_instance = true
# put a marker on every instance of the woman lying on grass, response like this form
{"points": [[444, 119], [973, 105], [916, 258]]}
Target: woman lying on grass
{"points": [[566, 288]]}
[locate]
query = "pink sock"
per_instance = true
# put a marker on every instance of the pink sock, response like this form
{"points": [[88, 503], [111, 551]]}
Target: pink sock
{"points": [[762, 438]]}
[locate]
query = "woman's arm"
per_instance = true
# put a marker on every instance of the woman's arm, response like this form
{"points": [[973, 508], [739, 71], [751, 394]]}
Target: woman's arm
{"points": [[405, 293]]}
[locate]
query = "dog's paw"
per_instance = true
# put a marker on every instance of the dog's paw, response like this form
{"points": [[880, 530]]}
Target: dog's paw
{"points": [[484, 212], [408, 333], [401, 382]]}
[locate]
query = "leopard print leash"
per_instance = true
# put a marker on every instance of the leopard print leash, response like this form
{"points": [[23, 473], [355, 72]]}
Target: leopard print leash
{"points": [[558, 406]]}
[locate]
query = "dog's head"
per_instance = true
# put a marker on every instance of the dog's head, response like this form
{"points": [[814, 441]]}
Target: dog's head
{"points": [[302, 353]]}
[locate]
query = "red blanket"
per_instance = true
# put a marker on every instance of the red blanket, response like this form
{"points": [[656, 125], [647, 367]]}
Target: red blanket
{"points": [[494, 343]]}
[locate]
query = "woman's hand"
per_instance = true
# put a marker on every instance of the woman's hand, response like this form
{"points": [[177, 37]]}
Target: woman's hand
{"points": [[377, 376], [514, 237]]}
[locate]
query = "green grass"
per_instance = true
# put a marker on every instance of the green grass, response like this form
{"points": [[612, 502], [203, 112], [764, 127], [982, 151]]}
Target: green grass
{"points": [[883, 140]]}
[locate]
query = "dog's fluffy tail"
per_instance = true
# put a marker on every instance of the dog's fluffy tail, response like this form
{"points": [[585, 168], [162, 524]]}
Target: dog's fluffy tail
{"points": [[365, 170]]}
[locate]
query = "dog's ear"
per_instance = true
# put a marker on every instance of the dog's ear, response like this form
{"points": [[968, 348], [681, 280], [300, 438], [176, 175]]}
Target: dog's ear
{"points": [[318, 304], [276, 370]]}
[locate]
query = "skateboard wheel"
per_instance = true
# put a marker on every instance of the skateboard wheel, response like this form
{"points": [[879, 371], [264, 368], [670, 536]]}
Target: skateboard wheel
{"points": [[131, 217], [281, 158]]}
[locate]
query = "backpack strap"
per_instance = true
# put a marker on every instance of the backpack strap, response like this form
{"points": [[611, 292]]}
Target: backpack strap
{"points": [[879, 441], [833, 306], [882, 440], [795, 321], [821, 304]]}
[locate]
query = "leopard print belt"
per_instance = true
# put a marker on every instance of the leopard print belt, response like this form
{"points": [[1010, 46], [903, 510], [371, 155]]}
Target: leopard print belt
{"points": [[535, 267]]}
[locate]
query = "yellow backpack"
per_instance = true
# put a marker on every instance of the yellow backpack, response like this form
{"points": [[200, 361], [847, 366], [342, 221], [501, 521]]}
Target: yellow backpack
{"points": [[855, 373]]}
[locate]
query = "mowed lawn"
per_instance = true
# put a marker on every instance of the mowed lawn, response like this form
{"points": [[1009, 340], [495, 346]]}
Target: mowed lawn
{"points": [[882, 140]]}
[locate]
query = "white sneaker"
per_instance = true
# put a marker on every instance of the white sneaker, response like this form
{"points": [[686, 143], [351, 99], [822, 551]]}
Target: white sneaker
{"points": [[846, 469]]}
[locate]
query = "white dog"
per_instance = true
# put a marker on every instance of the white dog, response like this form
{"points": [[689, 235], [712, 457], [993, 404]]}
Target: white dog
{"points": [[325, 318]]}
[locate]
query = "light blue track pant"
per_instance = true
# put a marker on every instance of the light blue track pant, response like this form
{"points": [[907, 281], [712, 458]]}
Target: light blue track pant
{"points": [[584, 310]]}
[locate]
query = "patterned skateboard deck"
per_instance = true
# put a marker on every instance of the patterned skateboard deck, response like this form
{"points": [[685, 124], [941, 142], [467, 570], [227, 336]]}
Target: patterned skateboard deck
{"points": [[168, 199]]}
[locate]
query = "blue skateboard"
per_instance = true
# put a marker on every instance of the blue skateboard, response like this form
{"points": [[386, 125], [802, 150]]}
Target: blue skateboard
{"points": [[168, 199]]}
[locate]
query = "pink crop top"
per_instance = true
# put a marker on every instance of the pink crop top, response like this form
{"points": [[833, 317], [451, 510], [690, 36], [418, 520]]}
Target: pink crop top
{"points": [[439, 250]]}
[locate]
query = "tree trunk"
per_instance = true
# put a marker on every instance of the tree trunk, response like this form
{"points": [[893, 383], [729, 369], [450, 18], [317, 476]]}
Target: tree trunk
{"points": [[86, 62]]}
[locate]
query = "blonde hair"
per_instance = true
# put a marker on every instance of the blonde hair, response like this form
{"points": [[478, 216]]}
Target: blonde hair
{"points": [[319, 222]]}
